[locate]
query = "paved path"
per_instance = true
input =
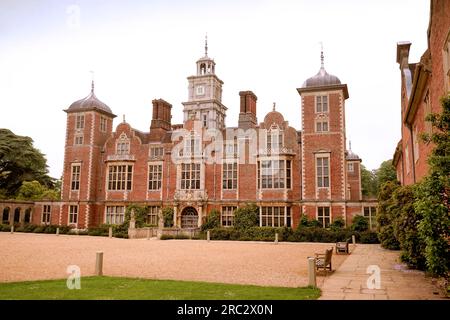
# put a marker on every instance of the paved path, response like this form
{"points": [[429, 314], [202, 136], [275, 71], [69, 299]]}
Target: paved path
{"points": [[349, 281]]}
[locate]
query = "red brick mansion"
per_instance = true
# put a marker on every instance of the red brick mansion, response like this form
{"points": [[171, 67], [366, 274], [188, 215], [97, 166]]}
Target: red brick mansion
{"points": [[201, 164]]}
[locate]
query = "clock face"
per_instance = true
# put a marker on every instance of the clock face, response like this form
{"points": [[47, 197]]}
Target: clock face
{"points": [[200, 90]]}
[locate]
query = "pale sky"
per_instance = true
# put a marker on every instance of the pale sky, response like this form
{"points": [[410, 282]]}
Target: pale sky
{"points": [[142, 50]]}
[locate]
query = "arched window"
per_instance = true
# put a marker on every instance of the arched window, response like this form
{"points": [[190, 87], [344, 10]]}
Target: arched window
{"points": [[27, 217], [17, 215], [202, 69], [123, 145], [5, 217], [274, 138]]}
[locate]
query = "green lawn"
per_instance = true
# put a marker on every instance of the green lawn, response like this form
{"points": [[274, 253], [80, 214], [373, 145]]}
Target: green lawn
{"points": [[106, 288]]}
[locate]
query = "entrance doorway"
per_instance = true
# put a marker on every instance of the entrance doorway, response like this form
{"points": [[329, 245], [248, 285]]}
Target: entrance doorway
{"points": [[189, 218]]}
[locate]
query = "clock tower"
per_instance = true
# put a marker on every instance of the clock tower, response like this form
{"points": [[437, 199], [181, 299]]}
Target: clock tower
{"points": [[205, 95]]}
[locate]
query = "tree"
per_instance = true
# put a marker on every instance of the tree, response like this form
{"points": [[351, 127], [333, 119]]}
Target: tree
{"points": [[246, 217], [212, 221], [368, 182], [386, 216], [386, 172], [20, 161]]}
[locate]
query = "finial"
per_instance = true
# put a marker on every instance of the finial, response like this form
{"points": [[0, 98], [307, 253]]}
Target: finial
{"points": [[124, 118], [274, 104], [321, 55], [206, 45], [350, 145], [92, 81]]}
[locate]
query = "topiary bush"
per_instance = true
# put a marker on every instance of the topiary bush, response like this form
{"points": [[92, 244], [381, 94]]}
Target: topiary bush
{"points": [[337, 224]]}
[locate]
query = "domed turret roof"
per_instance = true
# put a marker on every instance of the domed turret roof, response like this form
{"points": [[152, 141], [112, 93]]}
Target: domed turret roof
{"points": [[322, 78], [89, 103]]}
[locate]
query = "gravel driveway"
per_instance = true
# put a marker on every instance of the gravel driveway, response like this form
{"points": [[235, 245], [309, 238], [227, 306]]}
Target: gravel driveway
{"points": [[41, 256]]}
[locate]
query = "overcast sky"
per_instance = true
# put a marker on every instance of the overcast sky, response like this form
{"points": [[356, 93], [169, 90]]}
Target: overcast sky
{"points": [[142, 50]]}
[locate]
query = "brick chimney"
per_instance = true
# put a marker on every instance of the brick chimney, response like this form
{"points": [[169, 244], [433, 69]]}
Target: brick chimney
{"points": [[247, 114], [161, 118]]}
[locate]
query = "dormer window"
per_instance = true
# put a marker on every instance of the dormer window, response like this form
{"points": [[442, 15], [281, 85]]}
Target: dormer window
{"points": [[192, 145], [274, 139], [123, 145]]}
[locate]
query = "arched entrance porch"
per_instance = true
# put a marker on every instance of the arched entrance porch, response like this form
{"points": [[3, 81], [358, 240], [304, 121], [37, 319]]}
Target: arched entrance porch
{"points": [[189, 218]]}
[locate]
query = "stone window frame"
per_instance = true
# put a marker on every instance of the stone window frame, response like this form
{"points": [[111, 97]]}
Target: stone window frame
{"points": [[73, 212], [322, 215], [78, 139], [274, 132], [123, 145], [322, 155], [192, 145], [320, 97], [151, 181], [407, 159], [46, 214], [197, 172], [114, 214], [415, 136], [75, 177], [350, 167], [268, 216], [226, 171], [103, 123], [156, 152], [153, 215], [79, 121], [320, 123], [446, 62], [128, 175], [200, 90], [371, 216], [227, 216]]}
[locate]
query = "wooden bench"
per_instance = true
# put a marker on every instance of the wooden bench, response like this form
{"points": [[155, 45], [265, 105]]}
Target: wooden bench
{"points": [[323, 260], [342, 246]]}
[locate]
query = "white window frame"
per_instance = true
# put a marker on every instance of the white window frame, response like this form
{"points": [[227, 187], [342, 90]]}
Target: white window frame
{"points": [[103, 123], [156, 152], [79, 121], [120, 177], [227, 216], [153, 215], [200, 90], [73, 214], [371, 217], [46, 214], [322, 217], [319, 105], [123, 145], [322, 177], [152, 180], [75, 177], [114, 214], [78, 139], [350, 167], [273, 216], [226, 172], [188, 173], [320, 126]]}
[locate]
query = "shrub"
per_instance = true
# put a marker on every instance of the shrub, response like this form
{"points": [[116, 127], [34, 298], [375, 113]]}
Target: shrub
{"points": [[246, 217], [39, 229], [387, 215], [50, 229], [212, 221], [360, 223], [140, 215], [369, 237], [167, 214], [5, 227], [30, 227], [337, 224], [405, 228]]}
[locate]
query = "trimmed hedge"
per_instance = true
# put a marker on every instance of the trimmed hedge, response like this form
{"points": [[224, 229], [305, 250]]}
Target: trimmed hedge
{"points": [[303, 234]]}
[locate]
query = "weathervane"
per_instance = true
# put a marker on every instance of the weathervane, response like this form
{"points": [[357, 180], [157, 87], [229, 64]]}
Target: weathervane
{"points": [[92, 80], [206, 45]]}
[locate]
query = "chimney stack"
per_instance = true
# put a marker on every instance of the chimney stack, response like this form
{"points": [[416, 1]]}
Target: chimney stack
{"points": [[247, 115], [161, 118]]}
